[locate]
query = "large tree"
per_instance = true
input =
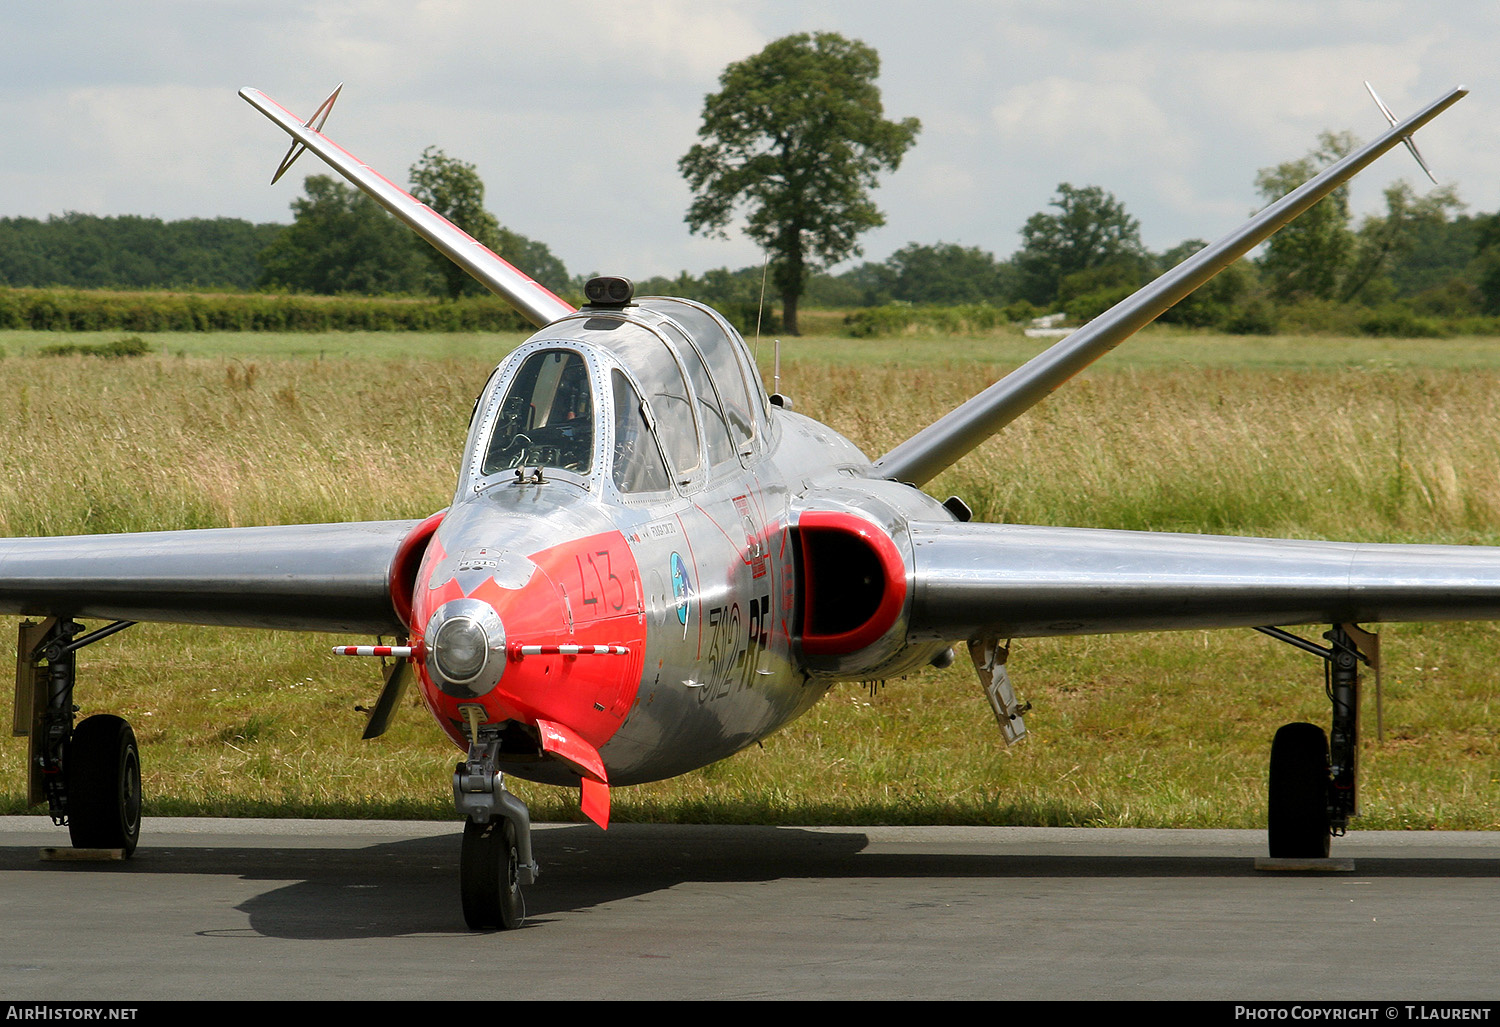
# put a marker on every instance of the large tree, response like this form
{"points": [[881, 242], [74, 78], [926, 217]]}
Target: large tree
{"points": [[797, 135], [453, 189], [341, 241], [1309, 256], [1090, 232]]}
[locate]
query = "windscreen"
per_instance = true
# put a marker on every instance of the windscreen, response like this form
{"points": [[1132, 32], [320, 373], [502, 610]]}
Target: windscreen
{"points": [[546, 418]]}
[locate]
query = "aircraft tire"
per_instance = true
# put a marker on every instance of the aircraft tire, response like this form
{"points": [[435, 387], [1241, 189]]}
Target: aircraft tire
{"points": [[104, 785], [1297, 822], [489, 876]]}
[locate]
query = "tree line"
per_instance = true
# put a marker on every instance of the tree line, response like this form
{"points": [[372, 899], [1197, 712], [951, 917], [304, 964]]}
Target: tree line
{"points": [[84, 251], [1422, 255], [794, 141], [340, 242]]}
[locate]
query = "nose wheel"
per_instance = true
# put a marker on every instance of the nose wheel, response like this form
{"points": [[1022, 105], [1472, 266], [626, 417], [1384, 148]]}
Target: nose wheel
{"points": [[496, 858], [490, 876]]}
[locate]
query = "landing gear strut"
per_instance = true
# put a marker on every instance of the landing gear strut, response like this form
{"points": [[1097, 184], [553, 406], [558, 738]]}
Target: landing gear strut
{"points": [[496, 857], [1313, 776], [89, 776]]}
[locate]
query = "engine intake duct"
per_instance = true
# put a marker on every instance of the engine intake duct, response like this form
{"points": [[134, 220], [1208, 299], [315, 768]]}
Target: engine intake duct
{"points": [[853, 583]]}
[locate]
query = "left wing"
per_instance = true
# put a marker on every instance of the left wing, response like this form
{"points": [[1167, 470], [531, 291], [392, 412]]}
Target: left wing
{"points": [[301, 577], [1016, 581]]}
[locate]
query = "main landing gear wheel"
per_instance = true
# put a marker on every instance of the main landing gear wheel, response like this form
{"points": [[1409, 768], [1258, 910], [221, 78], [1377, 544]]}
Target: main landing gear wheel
{"points": [[490, 876], [1298, 822], [104, 785]]}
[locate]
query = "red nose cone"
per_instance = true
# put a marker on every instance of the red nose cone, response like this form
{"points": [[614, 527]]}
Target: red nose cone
{"points": [[574, 637]]}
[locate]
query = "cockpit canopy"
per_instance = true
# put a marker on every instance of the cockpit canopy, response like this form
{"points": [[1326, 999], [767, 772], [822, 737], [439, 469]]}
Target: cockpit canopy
{"points": [[546, 418], [643, 397]]}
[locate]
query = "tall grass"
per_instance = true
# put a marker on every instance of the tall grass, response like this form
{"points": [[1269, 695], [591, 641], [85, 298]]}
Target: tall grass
{"points": [[1355, 450], [90, 446], [1143, 730]]}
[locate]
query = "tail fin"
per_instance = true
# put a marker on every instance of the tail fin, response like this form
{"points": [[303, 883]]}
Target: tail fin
{"points": [[921, 457], [534, 301]]}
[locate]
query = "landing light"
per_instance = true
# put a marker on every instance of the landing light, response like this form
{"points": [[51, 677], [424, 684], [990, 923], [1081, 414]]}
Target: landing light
{"points": [[608, 291], [459, 648], [465, 648]]}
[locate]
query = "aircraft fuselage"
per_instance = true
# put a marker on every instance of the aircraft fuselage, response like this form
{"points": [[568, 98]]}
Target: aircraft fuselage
{"points": [[689, 589]]}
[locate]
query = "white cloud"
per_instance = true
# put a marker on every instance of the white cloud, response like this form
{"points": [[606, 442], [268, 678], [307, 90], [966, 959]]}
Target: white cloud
{"points": [[577, 111]]}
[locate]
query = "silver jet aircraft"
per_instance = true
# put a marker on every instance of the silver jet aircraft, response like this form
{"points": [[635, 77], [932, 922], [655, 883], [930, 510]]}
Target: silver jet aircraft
{"points": [[649, 564]]}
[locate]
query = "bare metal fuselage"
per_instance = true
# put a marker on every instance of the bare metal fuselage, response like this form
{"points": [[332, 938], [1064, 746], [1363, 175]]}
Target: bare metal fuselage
{"points": [[700, 581]]}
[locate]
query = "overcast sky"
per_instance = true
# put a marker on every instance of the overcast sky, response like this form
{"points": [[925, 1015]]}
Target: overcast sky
{"points": [[576, 111]]}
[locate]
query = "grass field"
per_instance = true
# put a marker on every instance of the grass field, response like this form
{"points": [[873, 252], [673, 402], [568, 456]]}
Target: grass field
{"points": [[1322, 438]]}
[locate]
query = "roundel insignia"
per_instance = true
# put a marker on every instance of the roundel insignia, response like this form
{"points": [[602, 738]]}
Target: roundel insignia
{"points": [[682, 588]]}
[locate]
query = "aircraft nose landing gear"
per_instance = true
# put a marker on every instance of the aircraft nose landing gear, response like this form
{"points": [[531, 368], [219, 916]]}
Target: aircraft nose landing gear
{"points": [[496, 858]]}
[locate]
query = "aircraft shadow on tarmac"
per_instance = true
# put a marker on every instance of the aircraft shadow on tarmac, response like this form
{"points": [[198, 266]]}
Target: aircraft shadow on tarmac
{"points": [[409, 887]]}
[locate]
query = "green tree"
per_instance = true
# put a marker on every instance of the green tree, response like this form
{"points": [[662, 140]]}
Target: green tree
{"points": [[1216, 303], [1440, 256], [1384, 240], [797, 135], [341, 241], [1091, 232], [534, 258], [453, 189], [1487, 263], [1310, 256], [946, 273]]}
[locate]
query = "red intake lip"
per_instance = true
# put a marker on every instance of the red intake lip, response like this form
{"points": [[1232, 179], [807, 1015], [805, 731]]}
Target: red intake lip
{"points": [[878, 549]]}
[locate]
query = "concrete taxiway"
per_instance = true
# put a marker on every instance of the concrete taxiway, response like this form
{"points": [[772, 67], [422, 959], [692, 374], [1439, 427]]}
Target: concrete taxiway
{"points": [[369, 910]]}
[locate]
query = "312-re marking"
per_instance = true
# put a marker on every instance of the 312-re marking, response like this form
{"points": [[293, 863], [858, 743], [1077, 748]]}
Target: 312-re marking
{"points": [[732, 665]]}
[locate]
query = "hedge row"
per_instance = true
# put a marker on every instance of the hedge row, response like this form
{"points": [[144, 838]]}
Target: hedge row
{"points": [[1393, 320], [251, 312], [900, 318], [1257, 317]]}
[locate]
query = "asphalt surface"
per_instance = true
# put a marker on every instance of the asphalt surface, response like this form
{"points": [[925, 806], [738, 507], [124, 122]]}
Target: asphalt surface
{"points": [[259, 909]]}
